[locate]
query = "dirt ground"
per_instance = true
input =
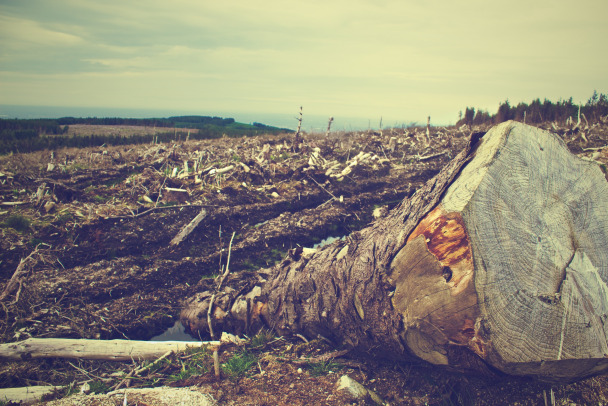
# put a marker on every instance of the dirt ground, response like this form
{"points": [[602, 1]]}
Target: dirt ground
{"points": [[87, 237]]}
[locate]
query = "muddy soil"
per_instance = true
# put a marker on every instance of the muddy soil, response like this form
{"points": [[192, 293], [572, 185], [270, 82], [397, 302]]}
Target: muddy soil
{"points": [[93, 230]]}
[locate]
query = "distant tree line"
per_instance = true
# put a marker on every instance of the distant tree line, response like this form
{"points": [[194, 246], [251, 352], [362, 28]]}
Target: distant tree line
{"points": [[37, 134], [172, 122], [538, 112]]}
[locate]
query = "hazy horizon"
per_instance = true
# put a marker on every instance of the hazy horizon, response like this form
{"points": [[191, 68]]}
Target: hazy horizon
{"points": [[310, 123], [361, 59]]}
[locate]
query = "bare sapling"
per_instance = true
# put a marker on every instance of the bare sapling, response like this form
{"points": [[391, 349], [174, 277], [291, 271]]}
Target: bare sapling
{"points": [[298, 138], [331, 120]]}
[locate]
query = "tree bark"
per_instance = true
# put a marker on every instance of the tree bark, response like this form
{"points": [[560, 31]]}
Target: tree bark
{"points": [[498, 261]]}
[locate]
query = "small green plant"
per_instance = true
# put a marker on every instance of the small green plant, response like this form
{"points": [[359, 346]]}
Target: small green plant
{"points": [[275, 256], [211, 275], [64, 217], [248, 265], [18, 222], [184, 373], [34, 242], [70, 389], [100, 199], [323, 368], [197, 362], [99, 387], [239, 364], [166, 204], [261, 339]]}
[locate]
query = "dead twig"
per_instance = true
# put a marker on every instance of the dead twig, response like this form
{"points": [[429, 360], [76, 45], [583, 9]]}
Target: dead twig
{"points": [[17, 278], [137, 371], [321, 186], [177, 206], [427, 157], [185, 232], [227, 271], [216, 357]]}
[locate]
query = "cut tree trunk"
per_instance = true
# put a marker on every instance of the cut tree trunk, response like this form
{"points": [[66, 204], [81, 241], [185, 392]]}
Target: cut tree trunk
{"points": [[499, 262]]}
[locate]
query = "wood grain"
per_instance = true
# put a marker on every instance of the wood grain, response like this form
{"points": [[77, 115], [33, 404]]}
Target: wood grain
{"points": [[538, 225]]}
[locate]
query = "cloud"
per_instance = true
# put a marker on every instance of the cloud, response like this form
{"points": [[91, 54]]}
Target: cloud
{"points": [[368, 57], [18, 33]]}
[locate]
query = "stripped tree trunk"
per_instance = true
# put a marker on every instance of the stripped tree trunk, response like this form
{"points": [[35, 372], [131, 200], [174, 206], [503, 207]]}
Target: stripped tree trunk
{"points": [[499, 260]]}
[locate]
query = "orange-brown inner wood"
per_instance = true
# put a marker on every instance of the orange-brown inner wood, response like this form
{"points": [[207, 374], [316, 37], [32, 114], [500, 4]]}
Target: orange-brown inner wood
{"points": [[447, 239]]}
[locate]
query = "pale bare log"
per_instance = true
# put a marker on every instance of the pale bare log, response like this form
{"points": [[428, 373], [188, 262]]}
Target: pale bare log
{"points": [[111, 350], [26, 395]]}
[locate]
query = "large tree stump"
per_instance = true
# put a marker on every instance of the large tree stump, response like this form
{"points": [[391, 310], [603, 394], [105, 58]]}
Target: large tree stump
{"points": [[500, 260]]}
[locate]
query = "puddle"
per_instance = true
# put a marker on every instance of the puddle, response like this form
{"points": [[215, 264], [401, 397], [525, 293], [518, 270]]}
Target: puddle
{"points": [[327, 241], [175, 333]]}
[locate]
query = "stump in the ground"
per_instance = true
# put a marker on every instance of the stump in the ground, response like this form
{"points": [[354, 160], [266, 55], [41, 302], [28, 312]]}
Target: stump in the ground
{"points": [[500, 260]]}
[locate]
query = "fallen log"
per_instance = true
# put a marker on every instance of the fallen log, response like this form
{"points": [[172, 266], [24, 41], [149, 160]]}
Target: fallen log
{"points": [[26, 395], [111, 350], [499, 262]]}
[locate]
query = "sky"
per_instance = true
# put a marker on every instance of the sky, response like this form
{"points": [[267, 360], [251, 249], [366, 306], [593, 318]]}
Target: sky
{"points": [[401, 60]]}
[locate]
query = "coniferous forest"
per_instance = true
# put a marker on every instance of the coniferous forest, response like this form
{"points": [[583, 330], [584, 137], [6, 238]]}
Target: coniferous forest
{"points": [[28, 135], [538, 112]]}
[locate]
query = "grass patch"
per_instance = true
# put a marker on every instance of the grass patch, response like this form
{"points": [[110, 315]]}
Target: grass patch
{"points": [[99, 387], [275, 256], [261, 339], [323, 368], [197, 361], [239, 364], [100, 199], [247, 265], [211, 275]]}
